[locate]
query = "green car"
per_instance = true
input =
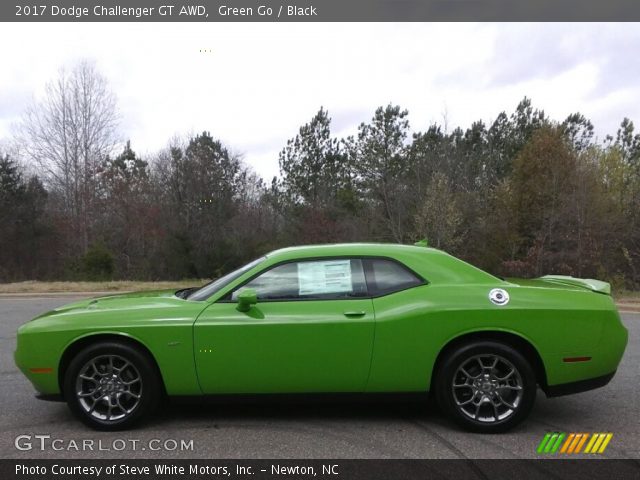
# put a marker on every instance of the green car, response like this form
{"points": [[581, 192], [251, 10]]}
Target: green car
{"points": [[351, 318]]}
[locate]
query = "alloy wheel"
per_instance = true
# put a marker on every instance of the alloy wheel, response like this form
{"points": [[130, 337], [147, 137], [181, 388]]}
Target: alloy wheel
{"points": [[109, 388], [487, 388]]}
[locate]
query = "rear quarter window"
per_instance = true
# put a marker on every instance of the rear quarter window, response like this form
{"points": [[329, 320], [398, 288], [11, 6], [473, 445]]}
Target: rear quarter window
{"points": [[387, 276]]}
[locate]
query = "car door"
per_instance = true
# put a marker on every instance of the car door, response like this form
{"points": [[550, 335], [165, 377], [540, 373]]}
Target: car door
{"points": [[402, 354], [310, 331]]}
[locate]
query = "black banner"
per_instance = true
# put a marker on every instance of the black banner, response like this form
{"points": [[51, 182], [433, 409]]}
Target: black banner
{"points": [[583, 469], [318, 10]]}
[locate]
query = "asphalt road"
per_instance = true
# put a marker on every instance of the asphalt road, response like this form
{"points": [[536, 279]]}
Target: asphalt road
{"points": [[346, 430]]}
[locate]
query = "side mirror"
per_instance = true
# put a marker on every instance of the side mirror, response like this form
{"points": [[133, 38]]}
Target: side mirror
{"points": [[246, 298]]}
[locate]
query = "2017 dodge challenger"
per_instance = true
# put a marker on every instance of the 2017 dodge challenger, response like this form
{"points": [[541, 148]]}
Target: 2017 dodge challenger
{"points": [[351, 318]]}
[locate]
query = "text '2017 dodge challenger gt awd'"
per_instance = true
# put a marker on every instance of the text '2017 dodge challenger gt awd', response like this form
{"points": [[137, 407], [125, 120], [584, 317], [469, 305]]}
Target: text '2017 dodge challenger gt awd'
{"points": [[351, 318]]}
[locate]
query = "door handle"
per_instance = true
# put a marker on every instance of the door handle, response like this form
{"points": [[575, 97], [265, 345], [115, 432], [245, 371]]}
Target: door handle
{"points": [[359, 313]]}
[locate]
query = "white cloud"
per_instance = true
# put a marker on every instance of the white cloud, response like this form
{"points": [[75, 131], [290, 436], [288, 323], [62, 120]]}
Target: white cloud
{"points": [[262, 81]]}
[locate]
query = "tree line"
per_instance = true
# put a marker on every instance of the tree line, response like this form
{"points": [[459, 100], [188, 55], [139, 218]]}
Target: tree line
{"points": [[524, 195]]}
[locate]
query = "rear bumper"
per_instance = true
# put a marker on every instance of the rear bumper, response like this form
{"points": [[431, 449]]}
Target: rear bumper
{"points": [[579, 386]]}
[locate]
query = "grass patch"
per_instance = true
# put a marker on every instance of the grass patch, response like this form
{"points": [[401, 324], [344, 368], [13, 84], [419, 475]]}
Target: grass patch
{"points": [[114, 286], [626, 296]]}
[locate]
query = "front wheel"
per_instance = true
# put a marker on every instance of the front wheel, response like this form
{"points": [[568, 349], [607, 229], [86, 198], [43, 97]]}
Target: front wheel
{"points": [[111, 386], [486, 386]]}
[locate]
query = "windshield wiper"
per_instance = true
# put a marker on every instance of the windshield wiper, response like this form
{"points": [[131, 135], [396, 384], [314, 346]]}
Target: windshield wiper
{"points": [[185, 292]]}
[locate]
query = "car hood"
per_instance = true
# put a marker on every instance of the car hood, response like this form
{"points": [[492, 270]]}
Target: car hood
{"points": [[148, 299]]}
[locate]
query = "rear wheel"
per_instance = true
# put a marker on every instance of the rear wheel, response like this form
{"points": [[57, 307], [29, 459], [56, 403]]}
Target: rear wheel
{"points": [[111, 386], [486, 386]]}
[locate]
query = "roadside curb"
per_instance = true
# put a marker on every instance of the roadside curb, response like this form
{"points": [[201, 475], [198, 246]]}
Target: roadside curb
{"points": [[61, 294]]}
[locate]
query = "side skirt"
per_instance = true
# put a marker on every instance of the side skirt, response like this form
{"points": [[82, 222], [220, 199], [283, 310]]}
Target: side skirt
{"points": [[302, 398]]}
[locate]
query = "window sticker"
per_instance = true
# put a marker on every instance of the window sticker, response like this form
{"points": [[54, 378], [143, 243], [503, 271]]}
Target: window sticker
{"points": [[317, 278]]}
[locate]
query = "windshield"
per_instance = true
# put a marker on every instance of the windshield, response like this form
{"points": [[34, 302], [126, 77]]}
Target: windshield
{"points": [[210, 288]]}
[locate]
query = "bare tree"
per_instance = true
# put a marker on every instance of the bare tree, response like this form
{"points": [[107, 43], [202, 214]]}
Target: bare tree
{"points": [[68, 134]]}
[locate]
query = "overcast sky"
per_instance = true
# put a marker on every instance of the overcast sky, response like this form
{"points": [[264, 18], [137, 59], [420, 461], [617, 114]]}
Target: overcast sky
{"points": [[261, 82]]}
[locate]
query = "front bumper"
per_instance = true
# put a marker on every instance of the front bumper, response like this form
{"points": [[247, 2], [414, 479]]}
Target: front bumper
{"points": [[37, 362], [50, 397]]}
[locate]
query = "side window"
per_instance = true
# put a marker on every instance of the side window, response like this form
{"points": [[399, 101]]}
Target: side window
{"points": [[386, 276], [278, 283], [317, 279]]}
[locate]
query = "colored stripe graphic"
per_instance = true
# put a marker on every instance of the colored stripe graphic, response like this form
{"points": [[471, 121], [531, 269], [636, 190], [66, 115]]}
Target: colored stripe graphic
{"points": [[555, 447], [599, 443], [596, 445], [605, 443], [550, 443], [567, 443], [591, 442], [543, 443], [573, 443], [581, 443]]}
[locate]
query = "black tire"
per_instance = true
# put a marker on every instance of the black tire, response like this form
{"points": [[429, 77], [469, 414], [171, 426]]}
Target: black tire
{"points": [[107, 396], [486, 403]]}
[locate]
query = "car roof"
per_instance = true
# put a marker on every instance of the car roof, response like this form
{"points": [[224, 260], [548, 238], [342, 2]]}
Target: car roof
{"points": [[432, 264], [362, 249]]}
